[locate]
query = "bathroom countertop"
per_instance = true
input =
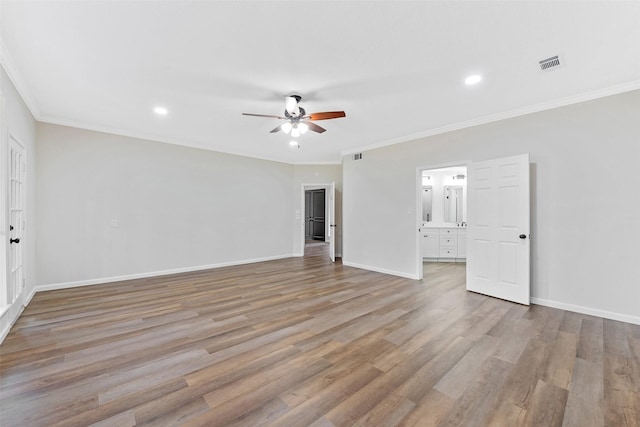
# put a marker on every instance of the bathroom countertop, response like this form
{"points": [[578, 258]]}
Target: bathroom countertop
{"points": [[442, 225]]}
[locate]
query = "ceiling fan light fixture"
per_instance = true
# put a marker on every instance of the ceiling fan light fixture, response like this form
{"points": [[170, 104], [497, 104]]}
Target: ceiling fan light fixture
{"points": [[286, 127], [294, 144], [303, 128], [295, 132], [291, 105]]}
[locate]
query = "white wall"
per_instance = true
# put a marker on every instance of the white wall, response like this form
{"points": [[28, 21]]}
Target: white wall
{"points": [[175, 208], [15, 119], [315, 174], [584, 253]]}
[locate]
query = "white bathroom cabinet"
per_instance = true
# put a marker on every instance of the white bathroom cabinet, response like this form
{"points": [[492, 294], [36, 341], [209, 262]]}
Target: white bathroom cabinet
{"points": [[444, 244]]}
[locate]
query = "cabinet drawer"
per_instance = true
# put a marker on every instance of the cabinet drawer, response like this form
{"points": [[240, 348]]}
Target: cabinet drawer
{"points": [[448, 231], [448, 252], [449, 241], [435, 232]]}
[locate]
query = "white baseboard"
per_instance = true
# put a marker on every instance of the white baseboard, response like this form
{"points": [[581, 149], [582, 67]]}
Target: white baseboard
{"points": [[587, 310], [300, 254], [380, 270], [65, 285]]}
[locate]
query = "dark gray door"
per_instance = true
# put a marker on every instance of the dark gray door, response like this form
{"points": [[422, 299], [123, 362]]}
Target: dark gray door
{"points": [[314, 211], [308, 227]]}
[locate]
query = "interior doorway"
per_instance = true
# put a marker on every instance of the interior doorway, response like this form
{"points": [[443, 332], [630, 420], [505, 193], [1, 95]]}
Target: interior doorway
{"points": [[314, 215], [494, 242], [442, 216], [317, 200]]}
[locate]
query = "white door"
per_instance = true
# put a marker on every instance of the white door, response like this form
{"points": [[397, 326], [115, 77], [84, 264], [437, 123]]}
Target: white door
{"points": [[332, 222], [498, 228], [17, 173]]}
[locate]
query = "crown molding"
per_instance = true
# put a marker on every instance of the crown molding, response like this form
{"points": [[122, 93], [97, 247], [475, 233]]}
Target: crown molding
{"points": [[16, 78], [173, 141], [562, 102]]}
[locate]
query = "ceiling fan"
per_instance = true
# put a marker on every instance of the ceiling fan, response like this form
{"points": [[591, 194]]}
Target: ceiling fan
{"points": [[297, 120]]}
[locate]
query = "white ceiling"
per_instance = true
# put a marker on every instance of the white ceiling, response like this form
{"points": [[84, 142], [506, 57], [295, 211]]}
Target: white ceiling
{"points": [[396, 68]]}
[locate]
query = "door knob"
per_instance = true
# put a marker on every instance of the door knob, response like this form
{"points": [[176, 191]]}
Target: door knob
{"points": [[14, 240], [523, 236]]}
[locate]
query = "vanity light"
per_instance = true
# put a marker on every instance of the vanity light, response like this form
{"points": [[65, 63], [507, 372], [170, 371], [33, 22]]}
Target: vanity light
{"points": [[471, 80], [161, 111]]}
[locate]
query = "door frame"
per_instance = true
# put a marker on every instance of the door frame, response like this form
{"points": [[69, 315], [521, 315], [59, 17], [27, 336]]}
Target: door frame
{"points": [[319, 186], [418, 192]]}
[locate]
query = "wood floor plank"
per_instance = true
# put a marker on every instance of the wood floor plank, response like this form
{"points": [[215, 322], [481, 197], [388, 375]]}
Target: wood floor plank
{"points": [[457, 379], [586, 395], [303, 341], [559, 365], [547, 406], [430, 411], [481, 396]]}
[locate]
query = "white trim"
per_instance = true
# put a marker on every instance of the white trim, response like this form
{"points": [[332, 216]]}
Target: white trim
{"points": [[173, 141], [587, 310], [569, 100], [380, 270], [15, 77], [79, 283]]}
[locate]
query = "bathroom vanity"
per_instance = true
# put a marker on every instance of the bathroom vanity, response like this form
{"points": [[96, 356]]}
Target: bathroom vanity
{"points": [[446, 243]]}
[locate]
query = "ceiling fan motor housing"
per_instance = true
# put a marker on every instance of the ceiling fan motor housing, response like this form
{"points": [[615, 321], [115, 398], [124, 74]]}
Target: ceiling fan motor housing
{"points": [[295, 118]]}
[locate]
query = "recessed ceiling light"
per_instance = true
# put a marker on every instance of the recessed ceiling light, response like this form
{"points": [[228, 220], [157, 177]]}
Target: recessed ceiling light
{"points": [[161, 111], [471, 80]]}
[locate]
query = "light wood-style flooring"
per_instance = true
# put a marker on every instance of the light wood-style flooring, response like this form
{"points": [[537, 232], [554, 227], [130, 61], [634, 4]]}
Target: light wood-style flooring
{"points": [[303, 342]]}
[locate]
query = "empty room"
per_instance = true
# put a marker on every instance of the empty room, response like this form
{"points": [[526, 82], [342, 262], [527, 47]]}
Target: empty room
{"points": [[319, 213]]}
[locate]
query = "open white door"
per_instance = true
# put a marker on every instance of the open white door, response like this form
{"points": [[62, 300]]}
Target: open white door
{"points": [[498, 230], [332, 222], [17, 173]]}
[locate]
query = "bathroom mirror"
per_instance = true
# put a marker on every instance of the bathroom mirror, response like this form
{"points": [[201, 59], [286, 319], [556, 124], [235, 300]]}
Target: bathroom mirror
{"points": [[453, 207], [427, 203]]}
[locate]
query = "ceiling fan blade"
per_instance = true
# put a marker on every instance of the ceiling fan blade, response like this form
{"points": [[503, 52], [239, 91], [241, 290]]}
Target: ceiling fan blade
{"points": [[314, 127], [326, 115], [263, 115], [276, 129]]}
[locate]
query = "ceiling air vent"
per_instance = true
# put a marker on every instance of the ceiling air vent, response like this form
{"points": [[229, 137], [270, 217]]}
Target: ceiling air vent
{"points": [[549, 63], [357, 156]]}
